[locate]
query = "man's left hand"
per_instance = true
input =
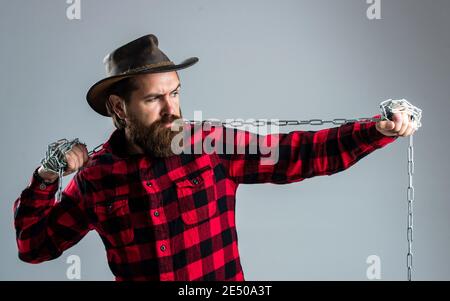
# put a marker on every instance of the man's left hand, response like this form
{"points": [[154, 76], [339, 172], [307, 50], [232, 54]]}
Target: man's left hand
{"points": [[401, 126]]}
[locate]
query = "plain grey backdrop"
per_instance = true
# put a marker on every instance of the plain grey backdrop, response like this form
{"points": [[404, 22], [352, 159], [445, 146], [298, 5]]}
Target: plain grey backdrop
{"points": [[258, 59]]}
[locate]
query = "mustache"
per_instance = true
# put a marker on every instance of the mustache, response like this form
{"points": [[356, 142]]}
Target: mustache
{"points": [[168, 118]]}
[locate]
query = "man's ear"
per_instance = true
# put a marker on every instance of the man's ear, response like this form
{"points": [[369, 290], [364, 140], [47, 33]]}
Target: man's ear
{"points": [[118, 105]]}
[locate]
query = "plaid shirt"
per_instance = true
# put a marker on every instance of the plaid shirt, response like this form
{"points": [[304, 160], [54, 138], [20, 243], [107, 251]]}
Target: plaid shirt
{"points": [[174, 218]]}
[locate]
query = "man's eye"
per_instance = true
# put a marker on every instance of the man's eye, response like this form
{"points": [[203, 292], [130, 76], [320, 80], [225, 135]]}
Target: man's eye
{"points": [[175, 93]]}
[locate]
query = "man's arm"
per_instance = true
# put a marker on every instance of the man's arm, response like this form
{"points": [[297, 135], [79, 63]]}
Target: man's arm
{"points": [[45, 228], [303, 154]]}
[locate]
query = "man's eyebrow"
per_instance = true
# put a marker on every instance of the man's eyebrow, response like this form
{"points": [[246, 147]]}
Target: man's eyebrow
{"points": [[156, 94]]}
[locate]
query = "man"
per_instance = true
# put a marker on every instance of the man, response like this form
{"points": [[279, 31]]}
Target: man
{"points": [[163, 215]]}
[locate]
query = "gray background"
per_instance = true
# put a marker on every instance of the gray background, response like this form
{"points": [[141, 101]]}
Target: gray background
{"points": [[258, 59]]}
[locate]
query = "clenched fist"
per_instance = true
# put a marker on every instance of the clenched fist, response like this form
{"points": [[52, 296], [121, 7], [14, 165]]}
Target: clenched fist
{"points": [[76, 158], [401, 125]]}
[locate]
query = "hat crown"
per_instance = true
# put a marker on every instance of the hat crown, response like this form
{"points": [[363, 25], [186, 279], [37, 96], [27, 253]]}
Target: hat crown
{"points": [[140, 53]]}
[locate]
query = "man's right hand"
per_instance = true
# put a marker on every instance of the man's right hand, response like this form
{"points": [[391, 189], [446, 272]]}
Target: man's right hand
{"points": [[76, 158]]}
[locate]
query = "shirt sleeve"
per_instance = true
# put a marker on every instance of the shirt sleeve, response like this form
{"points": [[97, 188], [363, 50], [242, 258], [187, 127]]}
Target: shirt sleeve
{"points": [[298, 155], [45, 227]]}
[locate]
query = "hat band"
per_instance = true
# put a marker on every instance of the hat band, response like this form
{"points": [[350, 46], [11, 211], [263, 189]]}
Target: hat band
{"points": [[148, 66]]}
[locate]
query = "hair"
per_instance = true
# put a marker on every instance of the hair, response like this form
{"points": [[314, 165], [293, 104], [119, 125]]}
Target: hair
{"points": [[123, 89]]}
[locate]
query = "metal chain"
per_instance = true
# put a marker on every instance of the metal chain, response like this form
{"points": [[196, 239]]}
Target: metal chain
{"points": [[410, 200], [264, 122], [55, 160]]}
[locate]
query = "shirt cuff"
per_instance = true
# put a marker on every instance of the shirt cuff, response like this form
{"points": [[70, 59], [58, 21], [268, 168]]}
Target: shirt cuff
{"points": [[38, 184]]}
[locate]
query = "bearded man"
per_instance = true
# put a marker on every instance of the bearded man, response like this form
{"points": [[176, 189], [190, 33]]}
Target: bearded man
{"points": [[164, 215]]}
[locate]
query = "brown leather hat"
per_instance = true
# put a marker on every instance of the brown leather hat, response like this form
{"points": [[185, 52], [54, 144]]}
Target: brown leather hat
{"points": [[137, 57]]}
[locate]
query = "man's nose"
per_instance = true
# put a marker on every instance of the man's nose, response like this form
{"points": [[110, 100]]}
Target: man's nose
{"points": [[169, 106]]}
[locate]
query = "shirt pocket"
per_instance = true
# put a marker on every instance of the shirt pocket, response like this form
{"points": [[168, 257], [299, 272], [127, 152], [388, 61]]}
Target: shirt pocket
{"points": [[114, 222], [197, 196]]}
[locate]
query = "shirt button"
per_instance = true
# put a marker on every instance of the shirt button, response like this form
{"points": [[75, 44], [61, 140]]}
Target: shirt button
{"points": [[42, 186], [156, 213], [149, 184], [195, 181], [163, 248]]}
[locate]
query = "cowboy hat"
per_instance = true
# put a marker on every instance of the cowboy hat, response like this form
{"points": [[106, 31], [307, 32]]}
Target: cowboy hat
{"points": [[140, 56]]}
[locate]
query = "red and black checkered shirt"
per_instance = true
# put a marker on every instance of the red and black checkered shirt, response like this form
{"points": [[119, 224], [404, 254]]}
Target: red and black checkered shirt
{"points": [[174, 218]]}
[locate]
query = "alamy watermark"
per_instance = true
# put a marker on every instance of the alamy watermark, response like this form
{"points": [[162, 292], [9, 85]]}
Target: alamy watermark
{"points": [[374, 10], [373, 271], [73, 11], [73, 272], [206, 137]]}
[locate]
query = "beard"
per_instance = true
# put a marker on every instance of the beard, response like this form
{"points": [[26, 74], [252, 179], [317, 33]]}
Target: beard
{"points": [[155, 139]]}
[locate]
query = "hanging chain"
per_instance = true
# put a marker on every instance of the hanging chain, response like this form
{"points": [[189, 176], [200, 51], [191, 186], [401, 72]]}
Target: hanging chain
{"points": [[410, 200], [55, 156]]}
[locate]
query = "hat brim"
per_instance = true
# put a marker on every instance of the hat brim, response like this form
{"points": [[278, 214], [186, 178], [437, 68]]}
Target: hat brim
{"points": [[96, 96]]}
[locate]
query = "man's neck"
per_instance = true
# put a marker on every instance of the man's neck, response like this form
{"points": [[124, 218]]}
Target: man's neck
{"points": [[132, 148]]}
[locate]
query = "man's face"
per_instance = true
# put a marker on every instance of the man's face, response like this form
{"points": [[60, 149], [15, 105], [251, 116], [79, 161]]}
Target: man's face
{"points": [[152, 108]]}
